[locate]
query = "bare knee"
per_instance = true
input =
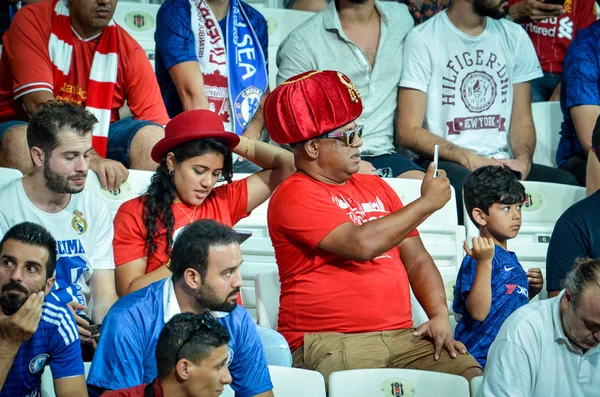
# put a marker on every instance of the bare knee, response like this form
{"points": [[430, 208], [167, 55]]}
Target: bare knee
{"points": [[141, 146], [412, 174], [472, 372], [14, 150]]}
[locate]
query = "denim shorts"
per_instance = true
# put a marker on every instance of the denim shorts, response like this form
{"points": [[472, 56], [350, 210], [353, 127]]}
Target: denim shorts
{"points": [[120, 136], [391, 165]]}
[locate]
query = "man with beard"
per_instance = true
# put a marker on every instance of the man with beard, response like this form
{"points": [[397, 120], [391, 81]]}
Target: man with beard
{"points": [[34, 332], [465, 87], [205, 263], [362, 39], [551, 347], [60, 142]]}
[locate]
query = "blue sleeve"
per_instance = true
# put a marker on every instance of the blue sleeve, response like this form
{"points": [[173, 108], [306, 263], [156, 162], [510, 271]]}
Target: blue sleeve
{"points": [[174, 37], [464, 282], [582, 70], [249, 367], [65, 351], [118, 360]]}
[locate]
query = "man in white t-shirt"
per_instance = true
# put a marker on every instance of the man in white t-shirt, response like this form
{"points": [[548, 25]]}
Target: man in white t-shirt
{"points": [[60, 142], [465, 86], [551, 347]]}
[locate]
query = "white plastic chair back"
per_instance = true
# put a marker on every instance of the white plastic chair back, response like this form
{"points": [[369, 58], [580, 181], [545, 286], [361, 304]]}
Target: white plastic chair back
{"points": [[477, 386], [136, 185], [47, 388], [139, 20], [396, 382], [295, 382], [268, 289], [8, 174], [547, 118]]}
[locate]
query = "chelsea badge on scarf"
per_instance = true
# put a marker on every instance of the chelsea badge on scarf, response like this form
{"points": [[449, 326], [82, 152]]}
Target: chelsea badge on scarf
{"points": [[246, 104]]}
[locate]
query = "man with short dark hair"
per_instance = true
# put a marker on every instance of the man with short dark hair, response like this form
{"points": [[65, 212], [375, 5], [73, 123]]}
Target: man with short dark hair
{"points": [[34, 333], [73, 50], [191, 358], [53, 195], [551, 347], [205, 263], [346, 248]]}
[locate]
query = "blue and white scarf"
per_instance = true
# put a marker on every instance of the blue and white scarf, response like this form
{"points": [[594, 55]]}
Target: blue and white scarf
{"points": [[233, 73]]}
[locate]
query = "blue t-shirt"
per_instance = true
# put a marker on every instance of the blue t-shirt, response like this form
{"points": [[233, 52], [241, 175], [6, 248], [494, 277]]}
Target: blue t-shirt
{"points": [[510, 291], [56, 342], [175, 44], [580, 86], [125, 356], [576, 235]]}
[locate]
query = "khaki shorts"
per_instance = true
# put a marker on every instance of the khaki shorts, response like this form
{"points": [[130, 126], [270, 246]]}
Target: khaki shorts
{"points": [[331, 352]]}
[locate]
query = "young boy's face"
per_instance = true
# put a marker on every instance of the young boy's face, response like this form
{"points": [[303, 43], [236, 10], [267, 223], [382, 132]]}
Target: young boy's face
{"points": [[504, 220]]}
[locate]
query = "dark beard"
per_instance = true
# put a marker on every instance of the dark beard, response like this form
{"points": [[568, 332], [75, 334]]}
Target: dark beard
{"points": [[483, 9], [58, 183], [207, 300], [11, 303]]}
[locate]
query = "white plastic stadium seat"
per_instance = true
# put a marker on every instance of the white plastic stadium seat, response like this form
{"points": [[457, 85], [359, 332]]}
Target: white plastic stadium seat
{"points": [[396, 382], [137, 183], [48, 381], [545, 203], [139, 20], [268, 289], [477, 386], [8, 174], [281, 22], [547, 118], [295, 382]]}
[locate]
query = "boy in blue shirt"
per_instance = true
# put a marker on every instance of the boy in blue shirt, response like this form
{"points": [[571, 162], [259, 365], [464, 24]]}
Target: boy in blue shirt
{"points": [[491, 283]]}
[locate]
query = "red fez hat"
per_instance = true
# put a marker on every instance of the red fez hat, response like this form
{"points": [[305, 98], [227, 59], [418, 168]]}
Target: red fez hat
{"points": [[311, 104], [190, 126]]}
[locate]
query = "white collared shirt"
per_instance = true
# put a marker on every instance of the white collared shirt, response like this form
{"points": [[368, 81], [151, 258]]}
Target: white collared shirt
{"points": [[532, 357], [321, 44], [171, 305]]}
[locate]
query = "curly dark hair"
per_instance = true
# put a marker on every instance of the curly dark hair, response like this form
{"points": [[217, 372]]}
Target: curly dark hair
{"points": [[161, 192]]}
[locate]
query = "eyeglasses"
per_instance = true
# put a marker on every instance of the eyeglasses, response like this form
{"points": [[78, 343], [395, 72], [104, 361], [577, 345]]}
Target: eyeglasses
{"points": [[349, 135], [207, 321]]}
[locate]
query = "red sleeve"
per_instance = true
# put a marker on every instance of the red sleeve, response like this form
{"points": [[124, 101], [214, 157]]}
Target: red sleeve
{"points": [[129, 242], [26, 44], [140, 86], [237, 199], [305, 198], [395, 202], [586, 14]]}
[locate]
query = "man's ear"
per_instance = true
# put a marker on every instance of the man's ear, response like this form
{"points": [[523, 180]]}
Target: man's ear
{"points": [[49, 285], [192, 278], [479, 216], [37, 156], [311, 147], [182, 369]]}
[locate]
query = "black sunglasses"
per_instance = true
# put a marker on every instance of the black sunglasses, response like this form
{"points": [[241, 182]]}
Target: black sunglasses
{"points": [[207, 321]]}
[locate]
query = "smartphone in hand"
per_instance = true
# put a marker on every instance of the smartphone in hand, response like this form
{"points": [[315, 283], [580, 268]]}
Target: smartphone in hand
{"points": [[436, 153]]}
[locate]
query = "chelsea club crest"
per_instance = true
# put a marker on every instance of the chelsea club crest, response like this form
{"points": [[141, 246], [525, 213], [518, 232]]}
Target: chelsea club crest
{"points": [[37, 364], [78, 222], [246, 104]]}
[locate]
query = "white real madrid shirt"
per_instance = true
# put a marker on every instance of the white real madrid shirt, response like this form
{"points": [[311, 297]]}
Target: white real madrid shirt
{"points": [[469, 80], [83, 232]]}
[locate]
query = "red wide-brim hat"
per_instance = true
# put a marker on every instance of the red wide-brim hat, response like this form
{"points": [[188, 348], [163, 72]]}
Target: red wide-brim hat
{"points": [[190, 126], [311, 104]]}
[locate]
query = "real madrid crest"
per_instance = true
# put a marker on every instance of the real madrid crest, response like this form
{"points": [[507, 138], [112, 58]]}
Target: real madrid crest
{"points": [[78, 222]]}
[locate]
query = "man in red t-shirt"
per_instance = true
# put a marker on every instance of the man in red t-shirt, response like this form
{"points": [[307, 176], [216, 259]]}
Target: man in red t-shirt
{"points": [[346, 249], [552, 27], [50, 52]]}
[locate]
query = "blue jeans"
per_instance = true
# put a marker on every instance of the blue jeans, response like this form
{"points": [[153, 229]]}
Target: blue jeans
{"points": [[276, 347], [543, 87]]}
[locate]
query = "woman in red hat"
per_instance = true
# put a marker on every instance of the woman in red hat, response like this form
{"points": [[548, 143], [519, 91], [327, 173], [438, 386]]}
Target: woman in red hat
{"points": [[194, 154]]}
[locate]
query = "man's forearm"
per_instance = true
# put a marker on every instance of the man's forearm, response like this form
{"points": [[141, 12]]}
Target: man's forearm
{"points": [[428, 286], [522, 141], [422, 141], [8, 351]]}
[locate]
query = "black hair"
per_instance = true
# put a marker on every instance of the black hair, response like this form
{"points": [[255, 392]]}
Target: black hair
{"points": [[491, 184], [161, 192], [53, 116], [190, 336], [34, 234], [193, 243], [585, 271]]}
